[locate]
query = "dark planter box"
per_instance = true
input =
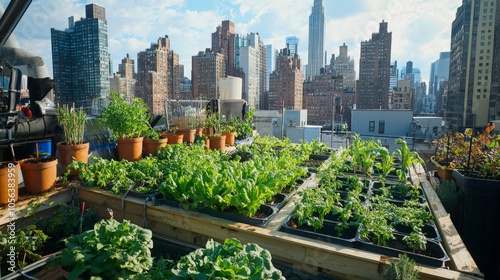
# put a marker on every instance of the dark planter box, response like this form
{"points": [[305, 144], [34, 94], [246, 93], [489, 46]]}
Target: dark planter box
{"points": [[319, 157], [327, 233], [479, 221], [429, 230], [278, 201], [434, 255], [265, 215]]}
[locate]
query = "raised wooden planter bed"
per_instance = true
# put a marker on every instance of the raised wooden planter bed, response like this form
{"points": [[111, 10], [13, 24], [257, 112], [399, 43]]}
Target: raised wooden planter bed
{"points": [[302, 253]]}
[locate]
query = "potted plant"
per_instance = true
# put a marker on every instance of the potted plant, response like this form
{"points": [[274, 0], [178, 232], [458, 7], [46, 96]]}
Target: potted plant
{"points": [[72, 121], [217, 140], [154, 141], [39, 174], [173, 136], [128, 122], [446, 149], [189, 132], [476, 172], [244, 127], [229, 130]]}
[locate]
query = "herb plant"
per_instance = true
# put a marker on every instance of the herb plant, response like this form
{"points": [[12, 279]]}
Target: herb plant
{"points": [[72, 121], [401, 269], [126, 120]]}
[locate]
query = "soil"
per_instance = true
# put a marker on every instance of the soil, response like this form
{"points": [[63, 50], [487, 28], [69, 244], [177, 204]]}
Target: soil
{"points": [[38, 160]]}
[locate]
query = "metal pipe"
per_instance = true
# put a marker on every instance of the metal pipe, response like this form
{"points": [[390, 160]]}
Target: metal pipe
{"points": [[11, 18]]}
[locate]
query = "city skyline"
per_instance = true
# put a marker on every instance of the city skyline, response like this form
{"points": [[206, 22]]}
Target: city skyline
{"points": [[421, 29]]}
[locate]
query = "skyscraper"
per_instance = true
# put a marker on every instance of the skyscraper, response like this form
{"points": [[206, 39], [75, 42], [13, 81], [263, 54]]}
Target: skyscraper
{"points": [[292, 43], [127, 68], [158, 77], [316, 39], [251, 59], [271, 55], [440, 70], [80, 58], [471, 65], [374, 71], [343, 66], [495, 75], [124, 81], [207, 68], [223, 41], [286, 83]]}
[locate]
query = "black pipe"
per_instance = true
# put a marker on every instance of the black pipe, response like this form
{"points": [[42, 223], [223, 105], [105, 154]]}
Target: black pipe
{"points": [[11, 18]]}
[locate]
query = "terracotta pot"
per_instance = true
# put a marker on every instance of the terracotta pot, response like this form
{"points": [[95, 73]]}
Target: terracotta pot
{"points": [[39, 174], [207, 143], [152, 146], [174, 138], [207, 131], [9, 181], [218, 143], [66, 153], [199, 132], [444, 172], [230, 138], [189, 134], [130, 148]]}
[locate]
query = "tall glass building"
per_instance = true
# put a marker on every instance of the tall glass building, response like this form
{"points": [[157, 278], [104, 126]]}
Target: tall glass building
{"points": [[81, 60], [316, 39]]}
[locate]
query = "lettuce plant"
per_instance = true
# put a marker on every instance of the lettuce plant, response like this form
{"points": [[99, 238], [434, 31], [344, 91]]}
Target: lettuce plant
{"points": [[112, 250], [231, 260]]}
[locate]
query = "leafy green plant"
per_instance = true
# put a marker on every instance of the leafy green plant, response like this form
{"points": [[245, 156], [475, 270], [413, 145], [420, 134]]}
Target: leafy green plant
{"points": [[386, 163], [112, 250], [104, 173], [244, 127], [408, 158], [72, 121], [416, 240], [66, 221], [28, 244], [230, 260], [401, 269], [126, 120]]}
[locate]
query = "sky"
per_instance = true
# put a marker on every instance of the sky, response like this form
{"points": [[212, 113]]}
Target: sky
{"points": [[420, 28]]}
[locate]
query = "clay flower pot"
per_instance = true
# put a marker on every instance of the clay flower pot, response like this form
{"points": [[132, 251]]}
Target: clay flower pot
{"points": [[152, 146], [218, 143], [39, 174], [9, 180], [130, 148], [174, 138], [189, 134], [66, 153]]}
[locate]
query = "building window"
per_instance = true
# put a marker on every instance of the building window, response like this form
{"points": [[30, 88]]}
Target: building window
{"points": [[371, 126], [381, 127]]}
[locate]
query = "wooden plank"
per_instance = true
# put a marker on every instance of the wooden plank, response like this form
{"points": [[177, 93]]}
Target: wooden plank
{"points": [[461, 260], [48, 200], [307, 253]]}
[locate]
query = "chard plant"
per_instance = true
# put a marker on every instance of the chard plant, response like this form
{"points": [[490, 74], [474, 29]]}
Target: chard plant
{"points": [[408, 158]]}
